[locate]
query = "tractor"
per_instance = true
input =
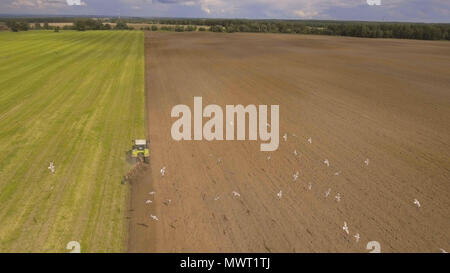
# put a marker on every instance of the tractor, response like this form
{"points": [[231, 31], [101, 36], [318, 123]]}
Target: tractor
{"points": [[140, 150]]}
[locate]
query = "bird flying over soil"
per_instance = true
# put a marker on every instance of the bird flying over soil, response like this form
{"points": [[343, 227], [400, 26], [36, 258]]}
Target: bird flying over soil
{"points": [[345, 227]]}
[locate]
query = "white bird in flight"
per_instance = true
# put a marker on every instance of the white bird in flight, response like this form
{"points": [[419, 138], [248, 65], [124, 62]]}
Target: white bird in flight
{"points": [[338, 197], [152, 193], [417, 203], [309, 140], [326, 162], [154, 217], [295, 152], [345, 228], [337, 173], [310, 186], [217, 198], [366, 162], [285, 137], [295, 176], [327, 193], [163, 171], [148, 201], [357, 237], [236, 194], [443, 250], [280, 194], [51, 167]]}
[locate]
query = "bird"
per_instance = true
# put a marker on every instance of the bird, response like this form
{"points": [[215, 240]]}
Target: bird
{"points": [[327, 193], [309, 140], [443, 250], [366, 162], [417, 203], [310, 186], [51, 167], [163, 171], [280, 194], [337, 173], [154, 217], [345, 227], [338, 197], [326, 162], [285, 137], [295, 176], [152, 193], [236, 194], [148, 201], [217, 198], [295, 152], [357, 237]]}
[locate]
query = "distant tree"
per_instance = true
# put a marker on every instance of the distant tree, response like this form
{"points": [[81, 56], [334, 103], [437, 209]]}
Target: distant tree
{"points": [[264, 28], [154, 27], [216, 28], [57, 28], [191, 28], [13, 26], [179, 28], [121, 25], [201, 29], [18, 26], [37, 26], [46, 26]]}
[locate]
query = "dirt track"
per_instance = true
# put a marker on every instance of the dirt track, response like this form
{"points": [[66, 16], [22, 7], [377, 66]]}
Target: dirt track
{"points": [[385, 100]]}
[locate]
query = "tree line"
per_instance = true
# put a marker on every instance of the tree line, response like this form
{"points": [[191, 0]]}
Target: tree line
{"points": [[79, 24], [420, 31]]}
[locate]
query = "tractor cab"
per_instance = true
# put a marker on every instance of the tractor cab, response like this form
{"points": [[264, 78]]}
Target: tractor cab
{"points": [[140, 150]]}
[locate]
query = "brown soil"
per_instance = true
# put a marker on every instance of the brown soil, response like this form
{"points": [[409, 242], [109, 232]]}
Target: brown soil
{"points": [[386, 100]]}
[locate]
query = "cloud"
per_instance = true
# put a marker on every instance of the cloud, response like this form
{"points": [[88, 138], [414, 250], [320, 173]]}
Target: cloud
{"points": [[75, 3], [44, 4]]}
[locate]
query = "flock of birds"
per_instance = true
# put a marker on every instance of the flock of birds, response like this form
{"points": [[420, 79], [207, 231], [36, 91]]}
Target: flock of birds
{"points": [[279, 195]]}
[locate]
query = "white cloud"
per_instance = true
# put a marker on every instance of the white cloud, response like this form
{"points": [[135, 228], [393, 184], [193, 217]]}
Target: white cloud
{"points": [[75, 3], [44, 4]]}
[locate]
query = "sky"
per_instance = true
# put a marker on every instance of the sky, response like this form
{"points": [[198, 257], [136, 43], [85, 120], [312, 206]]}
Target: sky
{"points": [[366, 10]]}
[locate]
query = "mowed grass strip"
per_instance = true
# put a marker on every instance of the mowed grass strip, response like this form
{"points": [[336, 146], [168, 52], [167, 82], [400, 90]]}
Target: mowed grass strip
{"points": [[75, 98]]}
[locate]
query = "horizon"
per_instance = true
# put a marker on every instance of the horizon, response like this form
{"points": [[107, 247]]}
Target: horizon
{"points": [[93, 16], [416, 11]]}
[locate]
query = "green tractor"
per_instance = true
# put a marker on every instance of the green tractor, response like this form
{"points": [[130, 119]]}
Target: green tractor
{"points": [[140, 150]]}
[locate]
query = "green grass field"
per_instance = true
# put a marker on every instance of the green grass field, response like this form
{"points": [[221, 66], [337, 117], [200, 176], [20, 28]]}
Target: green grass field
{"points": [[75, 98]]}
